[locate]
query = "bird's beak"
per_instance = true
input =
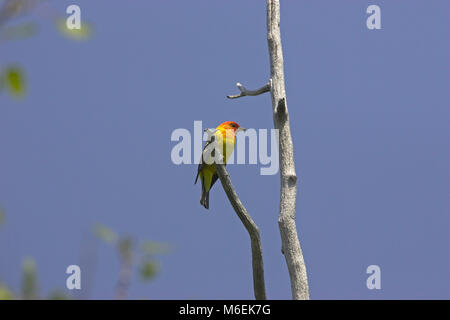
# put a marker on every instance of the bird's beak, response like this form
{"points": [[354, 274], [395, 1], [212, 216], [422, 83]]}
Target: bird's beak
{"points": [[240, 129]]}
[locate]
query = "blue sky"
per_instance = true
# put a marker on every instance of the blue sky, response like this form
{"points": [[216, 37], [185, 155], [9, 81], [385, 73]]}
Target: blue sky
{"points": [[369, 114]]}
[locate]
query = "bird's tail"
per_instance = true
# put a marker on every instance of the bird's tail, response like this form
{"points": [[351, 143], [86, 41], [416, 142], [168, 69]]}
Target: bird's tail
{"points": [[204, 200]]}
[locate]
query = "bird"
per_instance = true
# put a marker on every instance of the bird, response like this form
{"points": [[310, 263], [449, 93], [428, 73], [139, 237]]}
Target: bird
{"points": [[225, 136]]}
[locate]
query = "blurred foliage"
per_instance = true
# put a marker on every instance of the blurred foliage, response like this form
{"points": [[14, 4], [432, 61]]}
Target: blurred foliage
{"points": [[148, 270], [144, 256], [13, 80], [21, 31], [105, 234], [58, 295], [12, 77], [155, 248], [29, 279], [83, 33], [6, 293], [30, 290], [10, 9], [125, 246]]}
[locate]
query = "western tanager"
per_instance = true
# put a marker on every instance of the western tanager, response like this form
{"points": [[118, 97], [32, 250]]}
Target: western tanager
{"points": [[225, 136]]}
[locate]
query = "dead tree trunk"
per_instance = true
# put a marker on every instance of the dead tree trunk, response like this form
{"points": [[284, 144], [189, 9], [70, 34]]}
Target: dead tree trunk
{"points": [[286, 217]]}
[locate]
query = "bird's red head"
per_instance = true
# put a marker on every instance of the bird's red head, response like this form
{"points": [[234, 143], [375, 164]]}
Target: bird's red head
{"points": [[230, 125]]}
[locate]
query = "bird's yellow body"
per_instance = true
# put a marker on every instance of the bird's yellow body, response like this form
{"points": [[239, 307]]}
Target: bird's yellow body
{"points": [[225, 136]]}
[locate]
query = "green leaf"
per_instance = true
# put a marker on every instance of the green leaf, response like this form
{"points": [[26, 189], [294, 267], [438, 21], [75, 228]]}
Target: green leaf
{"points": [[83, 33], [29, 279], [148, 270], [105, 233], [15, 81], [155, 248], [6, 293]]}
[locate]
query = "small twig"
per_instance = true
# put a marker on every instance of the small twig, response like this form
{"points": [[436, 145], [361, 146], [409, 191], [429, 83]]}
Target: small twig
{"points": [[245, 92], [259, 286]]}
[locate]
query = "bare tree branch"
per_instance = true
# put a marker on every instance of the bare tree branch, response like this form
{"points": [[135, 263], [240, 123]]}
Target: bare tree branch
{"points": [[288, 195], [245, 92], [252, 229], [286, 218]]}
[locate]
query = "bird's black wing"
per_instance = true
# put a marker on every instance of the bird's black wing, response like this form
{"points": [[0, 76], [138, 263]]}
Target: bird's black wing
{"points": [[214, 179], [201, 164]]}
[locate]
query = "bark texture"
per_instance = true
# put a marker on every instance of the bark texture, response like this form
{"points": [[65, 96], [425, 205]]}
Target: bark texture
{"points": [[286, 217], [259, 286]]}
